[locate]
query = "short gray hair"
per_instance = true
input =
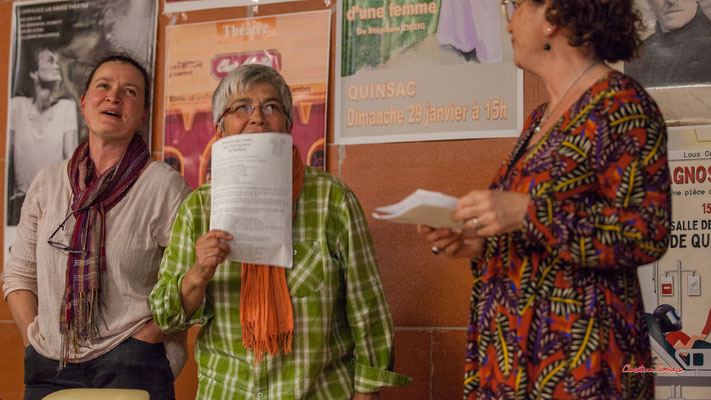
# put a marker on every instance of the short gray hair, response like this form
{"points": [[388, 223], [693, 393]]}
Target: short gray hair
{"points": [[240, 79]]}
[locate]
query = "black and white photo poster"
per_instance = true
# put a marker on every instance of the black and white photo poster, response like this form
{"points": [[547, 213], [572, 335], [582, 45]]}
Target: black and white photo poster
{"points": [[673, 62], [54, 45], [677, 50]]}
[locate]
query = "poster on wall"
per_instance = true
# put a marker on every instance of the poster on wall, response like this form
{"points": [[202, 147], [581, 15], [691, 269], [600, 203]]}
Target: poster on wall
{"points": [[199, 55], [54, 43], [172, 6], [677, 289], [411, 70], [674, 60]]}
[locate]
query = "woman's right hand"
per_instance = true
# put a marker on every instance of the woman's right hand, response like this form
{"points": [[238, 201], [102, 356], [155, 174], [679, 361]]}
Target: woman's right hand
{"points": [[150, 333], [211, 249], [453, 244], [23, 306]]}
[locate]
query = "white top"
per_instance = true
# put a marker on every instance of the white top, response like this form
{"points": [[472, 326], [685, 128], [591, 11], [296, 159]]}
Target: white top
{"points": [[471, 24], [40, 138], [137, 230]]}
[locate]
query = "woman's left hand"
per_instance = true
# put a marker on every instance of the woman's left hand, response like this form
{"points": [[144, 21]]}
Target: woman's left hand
{"points": [[453, 244], [492, 212], [150, 333]]}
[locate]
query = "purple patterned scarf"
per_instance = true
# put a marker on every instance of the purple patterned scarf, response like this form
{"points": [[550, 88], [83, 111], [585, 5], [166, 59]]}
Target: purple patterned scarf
{"points": [[93, 198]]}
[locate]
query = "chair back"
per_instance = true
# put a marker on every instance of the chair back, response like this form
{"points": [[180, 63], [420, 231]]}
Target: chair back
{"points": [[94, 394]]}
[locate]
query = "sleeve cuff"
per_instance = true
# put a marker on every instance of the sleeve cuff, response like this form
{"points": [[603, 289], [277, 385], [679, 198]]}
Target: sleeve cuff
{"points": [[197, 317], [168, 311], [369, 379], [28, 288]]}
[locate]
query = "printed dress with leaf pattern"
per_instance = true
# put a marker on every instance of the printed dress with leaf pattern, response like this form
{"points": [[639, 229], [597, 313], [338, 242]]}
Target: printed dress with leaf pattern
{"points": [[556, 309]]}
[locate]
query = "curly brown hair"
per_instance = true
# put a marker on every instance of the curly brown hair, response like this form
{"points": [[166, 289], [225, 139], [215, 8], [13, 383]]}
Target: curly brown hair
{"points": [[608, 27]]}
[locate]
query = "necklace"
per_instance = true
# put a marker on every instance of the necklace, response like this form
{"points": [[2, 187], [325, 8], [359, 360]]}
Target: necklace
{"points": [[520, 151], [546, 114]]}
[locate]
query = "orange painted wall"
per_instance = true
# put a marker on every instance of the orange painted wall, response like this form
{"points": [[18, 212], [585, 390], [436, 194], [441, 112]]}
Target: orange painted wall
{"points": [[428, 295]]}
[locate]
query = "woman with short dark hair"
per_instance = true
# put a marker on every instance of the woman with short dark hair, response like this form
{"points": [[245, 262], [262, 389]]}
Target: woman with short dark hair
{"points": [[89, 243], [583, 200]]}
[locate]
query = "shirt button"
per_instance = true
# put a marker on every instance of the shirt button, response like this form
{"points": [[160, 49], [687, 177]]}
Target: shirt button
{"points": [[260, 395]]}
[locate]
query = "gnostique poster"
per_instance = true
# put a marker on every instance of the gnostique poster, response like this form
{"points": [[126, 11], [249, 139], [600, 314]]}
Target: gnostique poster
{"points": [[677, 288]]}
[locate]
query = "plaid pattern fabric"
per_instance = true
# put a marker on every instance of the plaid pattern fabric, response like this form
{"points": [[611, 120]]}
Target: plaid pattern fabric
{"points": [[342, 326], [93, 198]]}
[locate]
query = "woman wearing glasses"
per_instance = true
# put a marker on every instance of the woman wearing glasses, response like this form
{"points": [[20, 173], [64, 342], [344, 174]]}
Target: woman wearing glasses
{"points": [[582, 201], [319, 330], [89, 243]]}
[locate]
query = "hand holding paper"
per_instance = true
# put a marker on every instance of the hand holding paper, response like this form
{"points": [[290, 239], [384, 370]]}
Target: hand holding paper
{"points": [[211, 249], [423, 207], [433, 212]]}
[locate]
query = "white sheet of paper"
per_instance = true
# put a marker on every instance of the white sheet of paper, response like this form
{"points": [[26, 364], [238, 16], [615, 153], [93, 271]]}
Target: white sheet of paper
{"points": [[251, 196], [422, 207]]}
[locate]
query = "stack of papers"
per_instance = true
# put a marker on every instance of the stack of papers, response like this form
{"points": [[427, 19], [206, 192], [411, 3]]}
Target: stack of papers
{"points": [[422, 207]]}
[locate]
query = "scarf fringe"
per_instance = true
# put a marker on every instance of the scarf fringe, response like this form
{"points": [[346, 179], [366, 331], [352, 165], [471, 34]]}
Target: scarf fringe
{"points": [[82, 328], [94, 196], [272, 344]]}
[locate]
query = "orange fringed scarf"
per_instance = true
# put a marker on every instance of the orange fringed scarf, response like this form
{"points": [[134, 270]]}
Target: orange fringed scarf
{"points": [[266, 315]]}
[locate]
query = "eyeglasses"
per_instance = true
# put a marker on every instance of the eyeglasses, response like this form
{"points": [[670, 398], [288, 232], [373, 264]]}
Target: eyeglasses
{"points": [[246, 110], [61, 246], [508, 7]]}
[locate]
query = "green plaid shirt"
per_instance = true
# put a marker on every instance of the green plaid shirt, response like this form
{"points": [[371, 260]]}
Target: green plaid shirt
{"points": [[343, 334]]}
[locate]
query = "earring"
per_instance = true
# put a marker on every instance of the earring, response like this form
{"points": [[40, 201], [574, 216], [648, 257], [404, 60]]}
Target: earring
{"points": [[547, 47]]}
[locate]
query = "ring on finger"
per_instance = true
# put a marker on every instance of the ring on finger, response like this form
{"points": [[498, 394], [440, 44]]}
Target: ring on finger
{"points": [[435, 250], [475, 222]]}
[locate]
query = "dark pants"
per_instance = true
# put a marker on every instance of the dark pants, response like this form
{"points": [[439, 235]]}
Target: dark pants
{"points": [[132, 364]]}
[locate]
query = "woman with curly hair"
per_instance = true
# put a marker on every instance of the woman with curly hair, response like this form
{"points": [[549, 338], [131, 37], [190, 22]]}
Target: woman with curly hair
{"points": [[583, 200]]}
